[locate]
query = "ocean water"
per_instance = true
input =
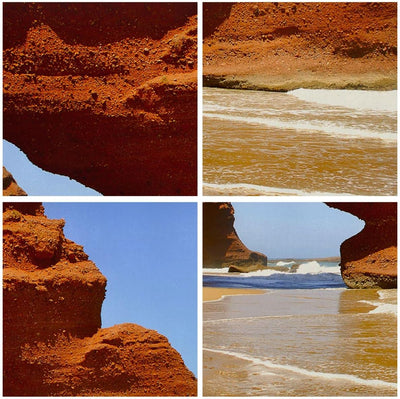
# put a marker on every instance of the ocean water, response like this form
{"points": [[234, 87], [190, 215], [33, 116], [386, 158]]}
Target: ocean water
{"points": [[299, 339], [304, 142], [309, 274]]}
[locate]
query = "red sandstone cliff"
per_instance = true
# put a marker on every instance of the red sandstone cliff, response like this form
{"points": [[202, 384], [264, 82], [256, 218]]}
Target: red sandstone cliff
{"points": [[105, 93], [221, 245], [53, 344], [369, 259], [283, 46], [10, 186]]}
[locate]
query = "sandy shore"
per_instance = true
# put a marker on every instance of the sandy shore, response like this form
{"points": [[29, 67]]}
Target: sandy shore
{"points": [[301, 342], [214, 293]]}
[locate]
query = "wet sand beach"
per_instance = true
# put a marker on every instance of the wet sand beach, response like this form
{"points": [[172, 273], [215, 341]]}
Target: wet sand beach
{"points": [[216, 293], [296, 342], [305, 142]]}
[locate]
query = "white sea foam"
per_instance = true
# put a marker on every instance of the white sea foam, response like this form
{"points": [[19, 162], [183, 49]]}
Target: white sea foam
{"points": [[326, 127], [253, 189], [364, 100], [382, 308], [261, 273], [281, 263], [390, 294], [386, 308], [309, 373], [249, 318], [212, 106], [314, 267], [222, 270]]}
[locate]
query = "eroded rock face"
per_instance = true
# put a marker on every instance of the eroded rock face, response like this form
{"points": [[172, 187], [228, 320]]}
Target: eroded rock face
{"points": [[221, 245], [369, 259], [283, 46], [53, 343], [109, 90], [10, 186]]}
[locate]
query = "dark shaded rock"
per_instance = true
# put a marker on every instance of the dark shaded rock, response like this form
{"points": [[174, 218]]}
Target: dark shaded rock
{"points": [[221, 245], [10, 186]]}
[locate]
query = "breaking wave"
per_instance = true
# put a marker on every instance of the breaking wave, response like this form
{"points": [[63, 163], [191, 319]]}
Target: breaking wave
{"points": [[310, 275]]}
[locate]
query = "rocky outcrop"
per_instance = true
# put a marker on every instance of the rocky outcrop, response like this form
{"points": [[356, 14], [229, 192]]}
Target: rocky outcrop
{"points": [[114, 104], [369, 259], [10, 186], [221, 245], [283, 46], [53, 344]]}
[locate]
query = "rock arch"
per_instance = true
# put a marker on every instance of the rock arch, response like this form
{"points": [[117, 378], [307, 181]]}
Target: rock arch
{"points": [[368, 259]]}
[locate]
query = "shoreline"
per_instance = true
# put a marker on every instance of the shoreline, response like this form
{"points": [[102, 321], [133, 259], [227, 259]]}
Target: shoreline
{"points": [[285, 83], [216, 293]]}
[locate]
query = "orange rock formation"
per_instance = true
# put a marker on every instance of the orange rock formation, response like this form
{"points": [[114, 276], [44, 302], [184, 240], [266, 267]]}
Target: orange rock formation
{"points": [[221, 245], [283, 46], [369, 259], [53, 344], [105, 93]]}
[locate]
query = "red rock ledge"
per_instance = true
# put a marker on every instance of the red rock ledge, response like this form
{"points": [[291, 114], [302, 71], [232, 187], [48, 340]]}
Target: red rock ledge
{"points": [[369, 259], [283, 46], [105, 93], [53, 344]]}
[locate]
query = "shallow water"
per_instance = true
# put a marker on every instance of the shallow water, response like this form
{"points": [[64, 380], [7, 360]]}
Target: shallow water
{"points": [[302, 142], [320, 342]]}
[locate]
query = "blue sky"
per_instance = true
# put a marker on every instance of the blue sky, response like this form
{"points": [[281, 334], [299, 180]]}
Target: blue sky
{"points": [[36, 181], [299, 230], [148, 252]]}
